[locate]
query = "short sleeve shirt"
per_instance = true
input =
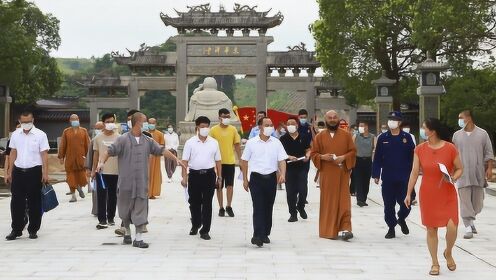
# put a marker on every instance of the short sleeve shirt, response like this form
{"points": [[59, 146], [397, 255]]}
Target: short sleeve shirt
{"points": [[201, 155], [263, 156], [227, 138], [29, 147], [101, 144], [295, 147]]}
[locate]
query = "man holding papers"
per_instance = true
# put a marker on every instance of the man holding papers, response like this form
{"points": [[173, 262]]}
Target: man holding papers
{"points": [[298, 149], [441, 166]]}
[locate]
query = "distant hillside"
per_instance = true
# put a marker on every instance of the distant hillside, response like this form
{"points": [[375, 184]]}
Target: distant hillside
{"points": [[70, 66]]}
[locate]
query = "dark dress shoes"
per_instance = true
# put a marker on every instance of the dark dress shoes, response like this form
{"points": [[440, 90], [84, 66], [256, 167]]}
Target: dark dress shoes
{"points": [[391, 233], [347, 235], [266, 240], [193, 231], [33, 235], [404, 227], [140, 244], [293, 219], [257, 241], [13, 235], [303, 213], [205, 236]]}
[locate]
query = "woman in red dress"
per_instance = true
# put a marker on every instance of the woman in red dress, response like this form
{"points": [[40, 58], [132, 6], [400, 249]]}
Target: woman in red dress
{"points": [[438, 197]]}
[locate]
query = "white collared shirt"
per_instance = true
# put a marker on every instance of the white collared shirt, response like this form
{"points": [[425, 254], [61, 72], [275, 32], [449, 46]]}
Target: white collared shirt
{"points": [[171, 140], [29, 147], [263, 156], [201, 155]]}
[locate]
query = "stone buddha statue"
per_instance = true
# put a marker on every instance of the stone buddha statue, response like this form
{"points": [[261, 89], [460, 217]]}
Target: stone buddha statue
{"points": [[207, 100]]}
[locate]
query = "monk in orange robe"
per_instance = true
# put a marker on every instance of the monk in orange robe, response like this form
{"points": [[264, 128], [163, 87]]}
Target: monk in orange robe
{"points": [[73, 148], [333, 153], [155, 175]]}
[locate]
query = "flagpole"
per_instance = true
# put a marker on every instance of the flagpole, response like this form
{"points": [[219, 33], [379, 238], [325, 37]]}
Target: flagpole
{"points": [[235, 109]]}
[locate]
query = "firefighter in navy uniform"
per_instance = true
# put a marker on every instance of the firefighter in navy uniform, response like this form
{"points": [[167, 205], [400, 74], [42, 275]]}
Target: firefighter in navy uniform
{"points": [[392, 163]]}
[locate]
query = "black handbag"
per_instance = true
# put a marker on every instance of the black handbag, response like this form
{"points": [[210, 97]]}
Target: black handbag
{"points": [[48, 198]]}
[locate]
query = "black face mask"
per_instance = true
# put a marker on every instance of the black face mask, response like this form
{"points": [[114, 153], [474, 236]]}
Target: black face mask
{"points": [[332, 127]]}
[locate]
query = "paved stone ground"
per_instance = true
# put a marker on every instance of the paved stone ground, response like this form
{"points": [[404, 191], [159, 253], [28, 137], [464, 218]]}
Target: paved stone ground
{"points": [[69, 246]]}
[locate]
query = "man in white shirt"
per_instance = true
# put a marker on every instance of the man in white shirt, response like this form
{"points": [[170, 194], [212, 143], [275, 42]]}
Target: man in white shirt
{"points": [[265, 158], [171, 144], [202, 156], [29, 161]]}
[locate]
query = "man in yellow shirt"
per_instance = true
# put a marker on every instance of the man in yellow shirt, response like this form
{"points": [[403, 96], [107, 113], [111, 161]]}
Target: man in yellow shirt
{"points": [[229, 142]]}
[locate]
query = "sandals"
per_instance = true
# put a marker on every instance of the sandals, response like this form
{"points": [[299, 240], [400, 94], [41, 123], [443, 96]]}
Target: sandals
{"points": [[434, 270], [451, 266]]}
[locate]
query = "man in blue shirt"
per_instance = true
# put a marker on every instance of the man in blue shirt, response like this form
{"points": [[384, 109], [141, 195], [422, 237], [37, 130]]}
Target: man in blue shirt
{"points": [[392, 163], [255, 131]]}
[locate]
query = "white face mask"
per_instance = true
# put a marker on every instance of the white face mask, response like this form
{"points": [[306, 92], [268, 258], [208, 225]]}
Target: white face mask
{"points": [[204, 131], [406, 129], [225, 121], [109, 126], [170, 129], [98, 131], [361, 130], [129, 124], [27, 126], [393, 124], [268, 130], [291, 128]]}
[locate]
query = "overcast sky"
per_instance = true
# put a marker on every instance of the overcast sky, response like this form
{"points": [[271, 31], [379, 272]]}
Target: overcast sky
{"points": [[96, 27]]}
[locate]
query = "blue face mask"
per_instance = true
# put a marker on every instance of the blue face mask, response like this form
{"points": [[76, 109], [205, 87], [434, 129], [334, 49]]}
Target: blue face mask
{"points": [[461, 123], [74, 123], [303, 121], [423, 135], [151, 126], [144, 127]]}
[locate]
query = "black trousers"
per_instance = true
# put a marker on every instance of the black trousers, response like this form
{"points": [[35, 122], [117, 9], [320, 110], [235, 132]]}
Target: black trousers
{"points": [[263, 194], [106, 198], [26, 191], [361, 177], [201, 188], [296, 188]]}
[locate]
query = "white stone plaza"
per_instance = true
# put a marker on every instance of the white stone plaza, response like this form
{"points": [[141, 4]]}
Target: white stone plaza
{"points": [[70, 247]]}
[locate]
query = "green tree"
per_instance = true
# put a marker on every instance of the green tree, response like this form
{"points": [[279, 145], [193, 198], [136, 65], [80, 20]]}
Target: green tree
{"points": [[356, 39], [476, 90], [27, 36]]}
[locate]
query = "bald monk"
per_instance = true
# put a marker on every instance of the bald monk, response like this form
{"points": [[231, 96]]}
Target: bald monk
{"points": [[155, 181], [73, 148], [333, 153]]}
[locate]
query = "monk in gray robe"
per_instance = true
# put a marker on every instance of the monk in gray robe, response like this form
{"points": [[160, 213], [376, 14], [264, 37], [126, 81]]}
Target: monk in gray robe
{"points": [[476, 153], [133, 150]]}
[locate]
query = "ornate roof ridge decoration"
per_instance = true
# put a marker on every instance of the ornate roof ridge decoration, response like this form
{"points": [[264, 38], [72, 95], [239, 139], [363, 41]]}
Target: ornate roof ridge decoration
{"points": [[300, 47], [145, 56], [243, 17], [97, 81], [296, 56]]}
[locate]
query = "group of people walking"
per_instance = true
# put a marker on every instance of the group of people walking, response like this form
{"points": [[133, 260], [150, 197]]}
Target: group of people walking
{"points": [[126, 172]]}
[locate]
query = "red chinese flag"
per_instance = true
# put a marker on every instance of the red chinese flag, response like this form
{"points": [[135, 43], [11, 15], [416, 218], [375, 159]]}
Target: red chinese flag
{"points": [[247, 116], [278, 117]]}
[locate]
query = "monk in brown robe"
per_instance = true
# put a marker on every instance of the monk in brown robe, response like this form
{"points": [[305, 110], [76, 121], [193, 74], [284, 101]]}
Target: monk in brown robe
{"points": [[73, 148], [333, 153], [155, 182]]}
